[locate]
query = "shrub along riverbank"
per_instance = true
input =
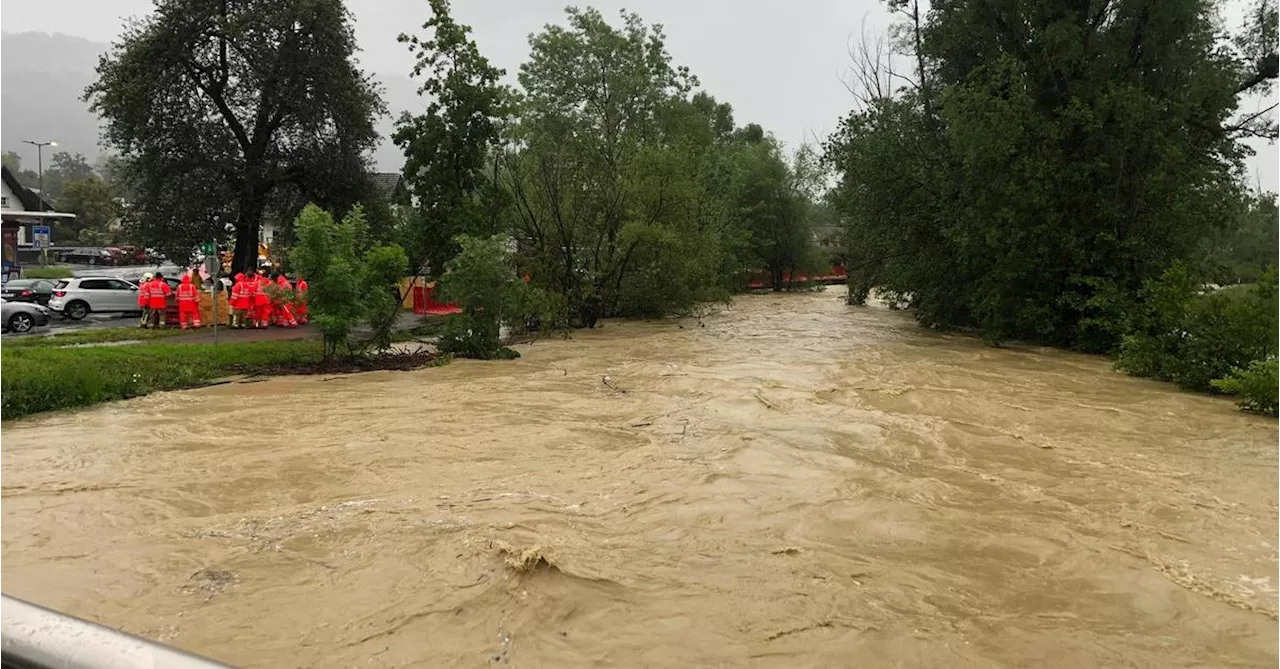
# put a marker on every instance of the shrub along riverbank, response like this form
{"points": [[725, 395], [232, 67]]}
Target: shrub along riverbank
{"points": [[1223, 341]]}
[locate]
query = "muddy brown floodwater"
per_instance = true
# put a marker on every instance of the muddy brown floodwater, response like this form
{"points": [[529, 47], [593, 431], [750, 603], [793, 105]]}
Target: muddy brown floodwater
{"points": [[792, 483]]}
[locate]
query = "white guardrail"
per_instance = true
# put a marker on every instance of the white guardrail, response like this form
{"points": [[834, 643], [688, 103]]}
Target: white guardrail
{"points": [[33, 637]]}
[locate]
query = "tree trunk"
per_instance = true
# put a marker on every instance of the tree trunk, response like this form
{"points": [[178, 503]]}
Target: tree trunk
{"points": [[252, 205]]}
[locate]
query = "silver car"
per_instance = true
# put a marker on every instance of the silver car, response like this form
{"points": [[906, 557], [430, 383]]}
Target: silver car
{"points": [[22, 316], [78, 297]]}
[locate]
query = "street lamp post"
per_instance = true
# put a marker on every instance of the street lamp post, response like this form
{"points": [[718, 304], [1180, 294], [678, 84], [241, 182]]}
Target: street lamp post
{"points": [[40, 164]]}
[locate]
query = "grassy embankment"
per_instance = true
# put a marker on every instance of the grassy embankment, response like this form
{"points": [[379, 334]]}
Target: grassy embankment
{"points": [[52, 272], [47, 377]]}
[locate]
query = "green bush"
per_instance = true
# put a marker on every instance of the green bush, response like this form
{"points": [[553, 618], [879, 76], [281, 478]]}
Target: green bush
{"points": [[1190, 339], [44, 378], [349, 280], [47, 273], [1258, 385], [482, 280]]}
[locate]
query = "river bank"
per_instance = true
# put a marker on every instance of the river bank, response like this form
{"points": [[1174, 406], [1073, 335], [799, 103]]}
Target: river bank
{"points": [[47, 378], [796, 483]]}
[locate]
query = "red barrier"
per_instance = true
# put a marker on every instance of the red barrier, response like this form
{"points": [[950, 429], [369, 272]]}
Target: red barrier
{"points": [[835, 275], [424, 303], [419, 300]]}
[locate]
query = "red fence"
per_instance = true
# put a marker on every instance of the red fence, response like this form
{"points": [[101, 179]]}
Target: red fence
{"points": [[424, 303], [833, 275]]}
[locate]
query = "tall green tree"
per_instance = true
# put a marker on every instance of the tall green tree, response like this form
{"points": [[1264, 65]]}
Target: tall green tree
{"points": [[1061, 154], [1241, 251], [605, 170], [777, 207], [213, 105], [448, 145], [62, 170], [94, 203]]}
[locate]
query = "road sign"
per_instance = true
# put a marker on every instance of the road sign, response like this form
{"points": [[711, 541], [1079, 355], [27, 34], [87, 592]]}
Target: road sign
{"points": [[207, 248], [40, 236]]}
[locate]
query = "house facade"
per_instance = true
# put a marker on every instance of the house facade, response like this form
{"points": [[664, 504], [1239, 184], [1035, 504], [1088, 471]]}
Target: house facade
{"points": [[21, 209]]}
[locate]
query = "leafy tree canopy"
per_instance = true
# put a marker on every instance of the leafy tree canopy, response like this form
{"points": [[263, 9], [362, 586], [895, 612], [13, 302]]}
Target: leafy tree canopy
{"points": [[447, 145], [1060, 154], [213, 106]]}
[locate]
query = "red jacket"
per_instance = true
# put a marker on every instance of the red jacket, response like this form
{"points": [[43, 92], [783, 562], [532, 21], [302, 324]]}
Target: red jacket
{"points": [[240, 293], [188, 294], [260, 297], [157, 293]]}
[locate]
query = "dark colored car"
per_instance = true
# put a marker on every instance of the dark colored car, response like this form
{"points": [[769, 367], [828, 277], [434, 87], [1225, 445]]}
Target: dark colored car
{"points": [[89, 256], [36, 291]]}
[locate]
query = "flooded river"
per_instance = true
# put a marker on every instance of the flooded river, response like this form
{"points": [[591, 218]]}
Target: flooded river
{"points": [[791, 483]]}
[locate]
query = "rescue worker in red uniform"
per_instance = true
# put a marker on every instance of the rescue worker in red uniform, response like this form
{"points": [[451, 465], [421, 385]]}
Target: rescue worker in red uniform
{"points": [[261, 300], [237, 302], [301, 289], [159, 294], [282, 308], [188, 303], [144, 300]]}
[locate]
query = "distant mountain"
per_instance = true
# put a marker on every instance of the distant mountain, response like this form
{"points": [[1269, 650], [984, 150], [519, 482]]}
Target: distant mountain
{"points": [[42, 77], [41, 80]]}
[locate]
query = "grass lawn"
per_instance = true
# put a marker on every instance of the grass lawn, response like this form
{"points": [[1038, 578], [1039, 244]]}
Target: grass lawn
{"points": [[52, 272], [43, 378]]}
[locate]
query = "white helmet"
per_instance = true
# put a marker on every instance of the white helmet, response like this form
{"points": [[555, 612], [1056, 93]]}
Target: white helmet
{"points": [[147, 276]]}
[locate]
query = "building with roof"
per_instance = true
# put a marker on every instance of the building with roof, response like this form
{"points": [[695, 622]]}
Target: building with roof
{"points": [[389, 184], [22, 209]]}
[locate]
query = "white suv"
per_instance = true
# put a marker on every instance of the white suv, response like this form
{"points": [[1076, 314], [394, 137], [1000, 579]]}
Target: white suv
{"points": [[76, 298]]}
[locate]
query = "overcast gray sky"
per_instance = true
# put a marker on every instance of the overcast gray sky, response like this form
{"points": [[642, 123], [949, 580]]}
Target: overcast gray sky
{"points": [[778, 64]]}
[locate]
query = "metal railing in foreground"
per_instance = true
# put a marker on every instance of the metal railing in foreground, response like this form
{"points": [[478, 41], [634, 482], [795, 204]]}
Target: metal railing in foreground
{"points": [[33, 637]]}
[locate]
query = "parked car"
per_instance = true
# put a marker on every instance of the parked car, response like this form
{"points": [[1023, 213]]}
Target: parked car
{"points": [[28, 290], [77, 298], [22, 316], [135, 256], [88, 256]]}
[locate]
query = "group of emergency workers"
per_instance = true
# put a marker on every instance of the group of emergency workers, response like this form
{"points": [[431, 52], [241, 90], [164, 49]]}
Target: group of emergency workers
{"points": [[257, 300]]}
